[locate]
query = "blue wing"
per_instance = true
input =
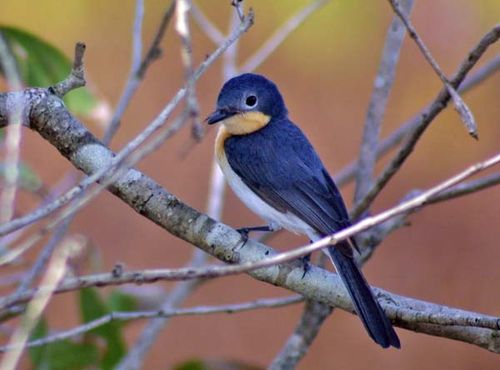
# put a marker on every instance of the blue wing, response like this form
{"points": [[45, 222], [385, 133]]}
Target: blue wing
{"points": [[279, 164]]}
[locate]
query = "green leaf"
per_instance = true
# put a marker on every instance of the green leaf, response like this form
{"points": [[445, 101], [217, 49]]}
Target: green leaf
{"points": [[93, 307], [66, 355], [119, 301], [62, 355], [191, 365], [41, 64]]}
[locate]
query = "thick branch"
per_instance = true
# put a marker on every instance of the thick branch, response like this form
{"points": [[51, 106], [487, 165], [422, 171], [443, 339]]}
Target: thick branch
{"points": [[49, 117]]}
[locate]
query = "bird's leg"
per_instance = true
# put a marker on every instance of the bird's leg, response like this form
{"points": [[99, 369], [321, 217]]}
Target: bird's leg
{"points": [[245, 231], [306, 263]]}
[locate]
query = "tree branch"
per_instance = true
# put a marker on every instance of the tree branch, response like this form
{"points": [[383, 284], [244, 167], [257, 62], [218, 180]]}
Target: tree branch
{"points": [[138, 68], [426, 118], [315, 313], [269, 46], [52, 111], [378, 102], [460, 105], [348, 172]]}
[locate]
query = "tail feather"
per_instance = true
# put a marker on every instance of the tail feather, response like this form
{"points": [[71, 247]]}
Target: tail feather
{"points": [[366, 305]]}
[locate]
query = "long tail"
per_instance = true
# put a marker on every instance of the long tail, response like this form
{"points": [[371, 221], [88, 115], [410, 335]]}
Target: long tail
{"points": [[368, 309]]}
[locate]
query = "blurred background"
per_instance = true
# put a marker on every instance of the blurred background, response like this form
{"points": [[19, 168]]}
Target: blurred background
{"points": [[325, 70]]}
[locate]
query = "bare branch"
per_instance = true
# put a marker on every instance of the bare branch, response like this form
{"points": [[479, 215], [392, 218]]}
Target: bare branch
{"points": [[349, 171], [378, 102], [13, 134], [76, 77], [9, 65], [315, 313], [460, 105], [164, 313], [182, 28], [55, 272], [238, 8], [426, 118], [280, 35], [154, 51], [206, 25], [35, 96], [137, 72], [133, 80], [135, 356], [467, 188], [43, 258]]}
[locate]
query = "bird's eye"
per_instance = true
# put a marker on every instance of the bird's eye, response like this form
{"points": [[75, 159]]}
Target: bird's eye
{"points": [[251, 101]]}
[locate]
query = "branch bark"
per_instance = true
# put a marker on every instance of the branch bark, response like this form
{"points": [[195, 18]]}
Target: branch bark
{"points": [[49, 117]]}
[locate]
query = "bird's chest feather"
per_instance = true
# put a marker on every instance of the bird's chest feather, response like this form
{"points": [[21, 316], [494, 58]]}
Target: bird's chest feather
{"points": [[251, 200]]}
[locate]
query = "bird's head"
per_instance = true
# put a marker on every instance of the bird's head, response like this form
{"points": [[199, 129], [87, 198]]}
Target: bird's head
{"points": [[247, 103]]}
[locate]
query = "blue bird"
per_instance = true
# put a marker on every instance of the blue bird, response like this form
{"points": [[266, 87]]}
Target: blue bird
{"points": [[272, 167]]}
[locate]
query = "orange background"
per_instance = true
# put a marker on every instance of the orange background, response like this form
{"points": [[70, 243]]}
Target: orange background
{"points": [[325, 71]]}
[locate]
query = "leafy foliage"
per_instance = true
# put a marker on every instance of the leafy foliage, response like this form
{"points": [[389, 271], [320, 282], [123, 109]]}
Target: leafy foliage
{"points": [[62, 355], [102, 347]]}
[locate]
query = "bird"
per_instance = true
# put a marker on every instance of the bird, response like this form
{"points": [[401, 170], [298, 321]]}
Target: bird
{"points": [[272, 167]]}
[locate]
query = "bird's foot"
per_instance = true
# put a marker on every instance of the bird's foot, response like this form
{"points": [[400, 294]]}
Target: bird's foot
{"points": [[306, 264], [245, 231]]}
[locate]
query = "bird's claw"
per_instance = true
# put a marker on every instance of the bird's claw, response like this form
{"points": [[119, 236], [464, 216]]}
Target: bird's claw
{"points": [[244, 231], [306, 264]]}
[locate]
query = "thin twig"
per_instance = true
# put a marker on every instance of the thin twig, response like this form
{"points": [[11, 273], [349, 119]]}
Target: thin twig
{"points": [[460, 106], [348, 172], [163, 313], [377, 234], [13, 134], [466, 188], [238, 7], [154, 51], [182, 28], [382, 86], [138, 69], [55, 272], [206, 25], [76, 76], [133, 81], [43, 257], [135, 357], [426, 118], [315, 313], [280, 35]]}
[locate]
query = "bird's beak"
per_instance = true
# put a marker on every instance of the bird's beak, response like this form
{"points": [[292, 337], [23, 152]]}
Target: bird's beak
{"points": [[220, 115]]}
